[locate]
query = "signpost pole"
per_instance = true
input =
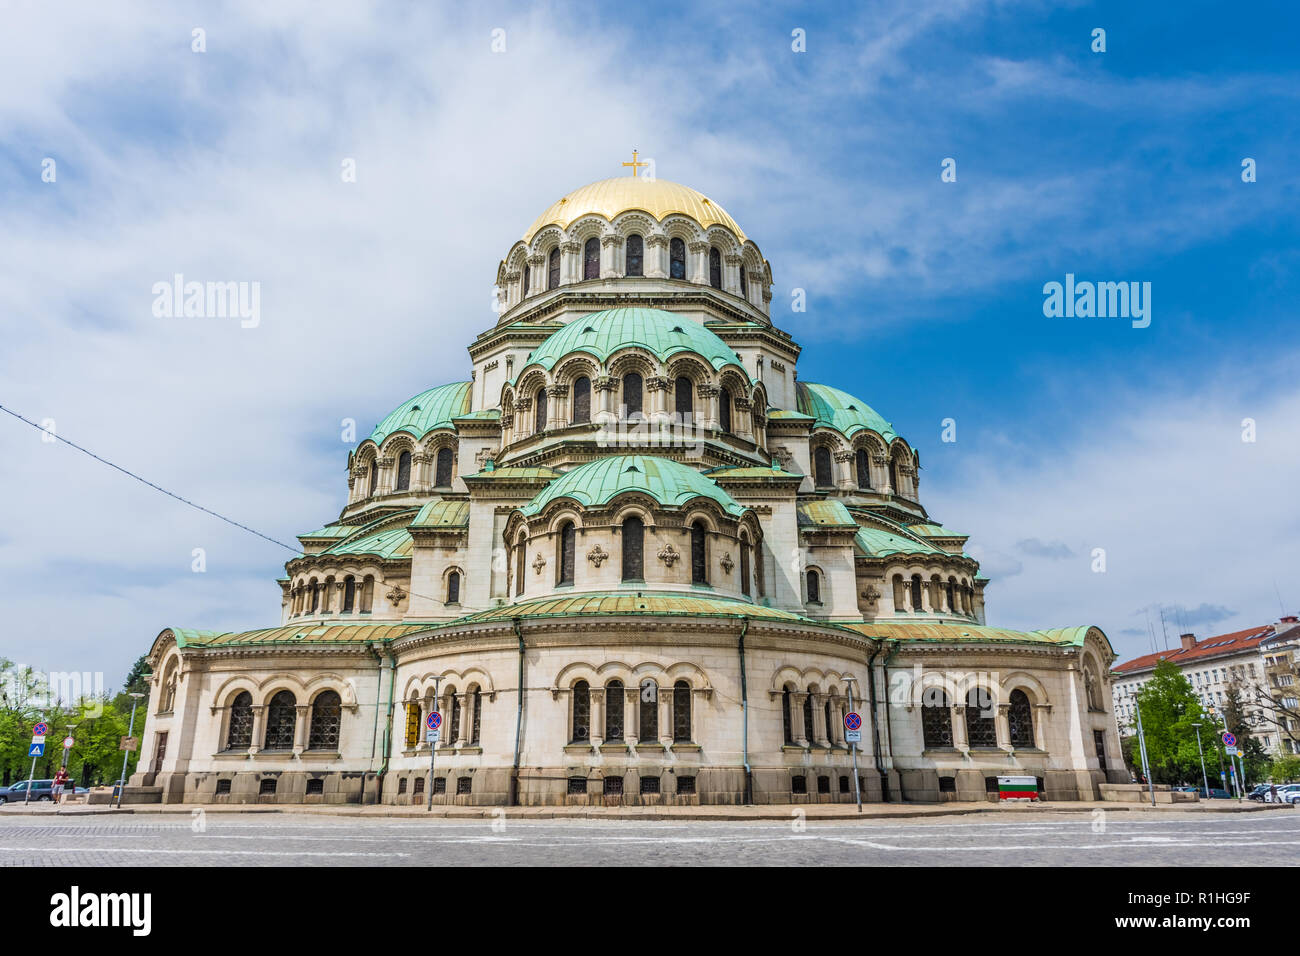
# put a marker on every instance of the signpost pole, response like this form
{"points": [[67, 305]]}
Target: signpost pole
{"points": [[121, 783], [433, 745], [857, 786], [1204, 777], [37, 731], [1146, 767]]}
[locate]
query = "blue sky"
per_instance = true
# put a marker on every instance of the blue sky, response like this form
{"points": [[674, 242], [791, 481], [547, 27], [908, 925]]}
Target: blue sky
{"points": [[924, 297]]}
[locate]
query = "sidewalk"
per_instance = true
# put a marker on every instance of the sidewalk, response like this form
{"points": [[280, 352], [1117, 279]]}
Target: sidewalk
{"points": [[781, 812]]}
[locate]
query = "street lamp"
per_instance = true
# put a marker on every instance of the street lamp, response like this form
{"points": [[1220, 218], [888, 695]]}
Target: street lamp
{"points": [[1204, 778], [857, 786], [121, 782]]}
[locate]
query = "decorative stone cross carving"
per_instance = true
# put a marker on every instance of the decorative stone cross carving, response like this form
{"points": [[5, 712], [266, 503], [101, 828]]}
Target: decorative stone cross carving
{"points": [[597, 555], [669, 555], [539, 562], [727, 563], [396, 595], [871, 595]]}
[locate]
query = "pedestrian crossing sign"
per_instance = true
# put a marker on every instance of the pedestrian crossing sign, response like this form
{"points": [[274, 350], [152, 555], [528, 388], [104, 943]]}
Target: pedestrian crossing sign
{"points": [[38, 750]]}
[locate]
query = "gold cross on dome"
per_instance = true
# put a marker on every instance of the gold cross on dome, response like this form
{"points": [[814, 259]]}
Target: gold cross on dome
{"points": [[634, 164]]}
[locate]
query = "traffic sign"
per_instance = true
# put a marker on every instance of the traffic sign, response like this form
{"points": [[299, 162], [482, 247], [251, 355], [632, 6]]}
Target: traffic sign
{"points": [[1229, 740], [128, 743], [1240, 753], [67, 742], [432, 735], [40, 729], [38, 739], [433, 721], [38, 750], [853, 736], [852, 721]]}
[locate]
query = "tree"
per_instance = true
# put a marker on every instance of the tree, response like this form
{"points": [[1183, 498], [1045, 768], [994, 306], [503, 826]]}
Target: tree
{"points": [[1256, 761], [1169, 709], [1285, 769]]}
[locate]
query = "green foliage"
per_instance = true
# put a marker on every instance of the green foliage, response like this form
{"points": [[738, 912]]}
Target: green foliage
{"points": [[1285, 769], [1170, 708]]}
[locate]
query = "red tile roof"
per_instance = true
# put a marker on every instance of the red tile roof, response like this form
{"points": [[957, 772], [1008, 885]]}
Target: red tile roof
{"points": [[1233, 643]]}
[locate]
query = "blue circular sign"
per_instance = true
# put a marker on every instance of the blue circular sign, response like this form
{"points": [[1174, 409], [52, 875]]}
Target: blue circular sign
{"points": [[1229, 739], [40, 729], [852, 721], [433, 721]]}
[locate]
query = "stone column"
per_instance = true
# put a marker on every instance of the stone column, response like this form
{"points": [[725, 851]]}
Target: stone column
{"points": [[536, 278], [960, 739], [799, 731], [819, 719], [1002, 725], [385, 483], [656, 257], [610, 244], [597, 716], [557, 409], [466, 718], [844, 470], [742, 417], [605, 387], [259, 728], [666, 716], [707, 394], [1040, 725], [302, 715], [699, 262], [731, 272], [657, 387], [631, 714], [523, 410]]}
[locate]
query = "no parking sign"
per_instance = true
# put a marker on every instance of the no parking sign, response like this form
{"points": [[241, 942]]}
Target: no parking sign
{"points": [[852, 728], [432, 723]]}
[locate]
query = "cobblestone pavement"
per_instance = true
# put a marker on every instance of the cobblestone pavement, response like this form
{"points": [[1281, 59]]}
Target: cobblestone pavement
{"points": [[1108, 839]]}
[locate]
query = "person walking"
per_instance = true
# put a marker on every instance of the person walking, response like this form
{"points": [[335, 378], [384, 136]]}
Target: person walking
{"points": [[60, 781], [1272, 793]]}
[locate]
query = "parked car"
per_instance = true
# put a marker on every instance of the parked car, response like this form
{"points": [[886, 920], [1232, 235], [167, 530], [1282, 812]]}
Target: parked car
{"points": [[1285, 793], [1258, 792], [17, 793], [1216, 793]]}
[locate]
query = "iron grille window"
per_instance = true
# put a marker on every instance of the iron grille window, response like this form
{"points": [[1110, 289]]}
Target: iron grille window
{"points": [[521, 554], [577, 785], [785, 716], [936, 721], [453, 588], [539, 416], [568, 545], [439, 784], [649, 707], [635, 256], [412, 723], [553, 269], [685, 785], [681, 712], [281, 717], [632, 395], [404, 471], [715, 268], [266, 785], [808, 718], [699, 561], [633, 549], [947, 784], [442, 472], [401, 786], [814, 588], [649, 784], [591, 259], [1021, 718], [419, 785], [724, 410], [581, 712], [916, 593], [223, 786], [823, 784], [864, 470], [476, 725], [613, 786], [1099, 741], [744, 568], [240, 736], [453, 732], [581, 400], [684, 398], [316, 785], [326, 715], [676, 259], [844, 784], [981, 727], [464, 785], [799, 784], [615, 702], [822, 473]]}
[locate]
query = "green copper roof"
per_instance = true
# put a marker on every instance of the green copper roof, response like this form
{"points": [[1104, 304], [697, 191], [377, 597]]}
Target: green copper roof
{"points": [[382, 538], [433, 408], [515, 473], [331, 531], [877, 542], [443, 514], [935, 531], [603, 333], [910, 631], [360, 632], [824, 514], [623, 603], [669, 482], [841, 411]]}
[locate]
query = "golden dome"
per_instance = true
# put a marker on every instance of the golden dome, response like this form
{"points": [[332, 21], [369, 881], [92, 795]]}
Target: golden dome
{"points": [[610, 197]]}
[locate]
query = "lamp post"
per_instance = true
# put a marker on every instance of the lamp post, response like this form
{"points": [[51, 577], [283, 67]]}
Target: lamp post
{"points": [[1204, 778], [857, 787], [121, 782], [1142, 746], [433, 744]]}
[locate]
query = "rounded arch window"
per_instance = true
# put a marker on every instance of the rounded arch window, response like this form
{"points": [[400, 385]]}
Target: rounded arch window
{"points": [[744, 285], [591, 259], [1020, 717], [684, 397], [681, 712], [822, 473], [676, 259], [567, 545], [527, 270], [615, 707], [453, 587], [403, 472], [635, 255], [539, 420], [240, 734], [581, 712], [553, 269], [632, 395], [581, 400], [715, 267], [281, 720], [936, 720], [814, 587], [648, 723], [633, 534], [724, 409], [374, 476], [863, 463], [442, 471], [326, 715], [699, 554]]}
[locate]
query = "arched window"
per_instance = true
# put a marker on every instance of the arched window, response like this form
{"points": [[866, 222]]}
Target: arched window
{"points": [[527, 272], [315, 595], [715, 267], [916, 593], [615, 703], [539, 419], [936, 720], [581, 400], [635, 256], [948, 589], [281, 718], [581, 712], [981, 729], [553, 269], [814, 587], [684, 395], [453, 588], [786, 725], [893, 476], [591, 259], [442, 473], [830, 723], [822, 473], [632, 404], [744, 285], [564, 560], [403, 472], [326, 715], [648, 725], [169, 690], [699, 557], [521, 554], [864, 470], [240, 735], [633, 549], [349, 594], [681, 712], [724, 410], [374, 476], [808, 734], [476, 716], [676, 259], [744, 566], [1021, 718]]}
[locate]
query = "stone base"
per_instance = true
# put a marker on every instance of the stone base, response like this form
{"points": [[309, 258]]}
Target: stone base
{"points": [[1139, 793]]}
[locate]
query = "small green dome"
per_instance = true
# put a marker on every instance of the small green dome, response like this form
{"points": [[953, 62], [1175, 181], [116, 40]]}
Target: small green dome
{"points": [[669, 482], [433, 408], [839, 410], [601, 334]]}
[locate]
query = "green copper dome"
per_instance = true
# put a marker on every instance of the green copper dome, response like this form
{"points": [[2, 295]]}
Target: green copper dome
{"points": [[663, 333], [434, 408], [669, 482], [839, 410]]}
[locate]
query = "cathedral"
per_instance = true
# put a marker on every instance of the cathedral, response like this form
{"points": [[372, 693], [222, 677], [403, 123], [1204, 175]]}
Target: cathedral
{"points": [[634, 559]]}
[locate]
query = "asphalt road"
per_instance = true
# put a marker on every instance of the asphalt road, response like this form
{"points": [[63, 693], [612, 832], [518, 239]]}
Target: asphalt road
{"points": [[1260, 839]]}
